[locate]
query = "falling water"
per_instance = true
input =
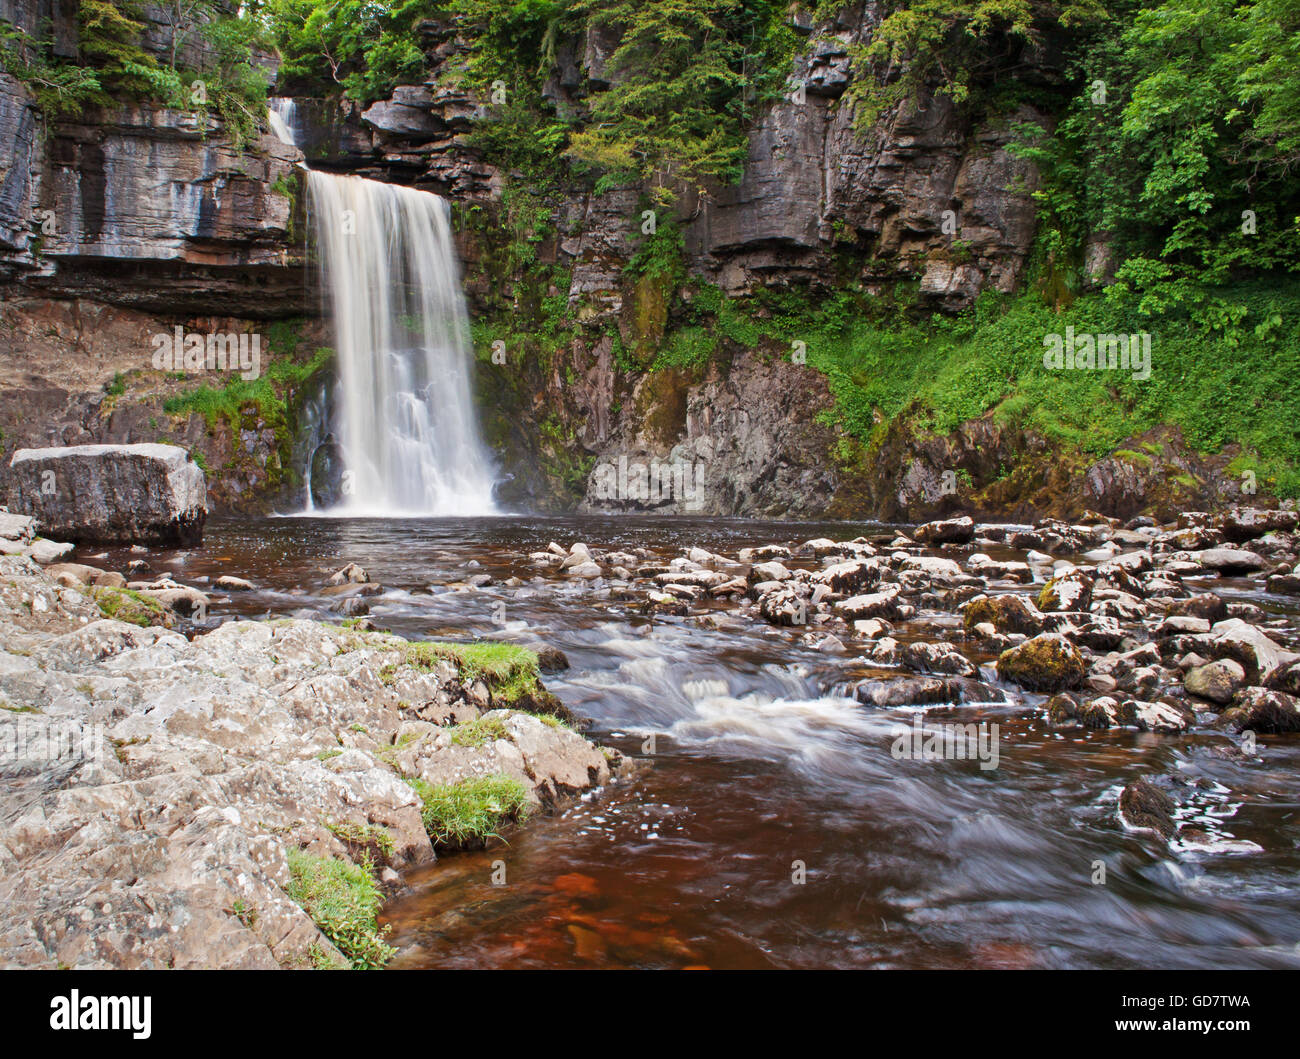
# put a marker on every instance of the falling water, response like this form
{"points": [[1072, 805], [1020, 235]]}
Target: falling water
{"points": [[407, 427]]}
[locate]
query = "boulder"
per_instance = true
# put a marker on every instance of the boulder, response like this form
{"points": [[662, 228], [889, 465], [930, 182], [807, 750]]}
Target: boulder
{"points": [[1071, 591], [1007, 614], [1046, 663], [925, 691], [946, 531], [1244, 524], [1230, 561], [1262, 710], [1259, 656], [1217, 681], [111, 494]]}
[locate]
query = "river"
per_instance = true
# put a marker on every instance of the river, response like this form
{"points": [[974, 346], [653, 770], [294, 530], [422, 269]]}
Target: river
{"points": [[765, 822]]}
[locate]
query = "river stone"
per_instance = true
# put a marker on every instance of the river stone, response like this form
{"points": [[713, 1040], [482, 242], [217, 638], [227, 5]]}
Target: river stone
{"points": [[946, 531], [1007, 614], [111, 494], [1228, 561], [1048, 663], [1262, 710], [1243, 524], [1259, 656], [1217, 681], [1144, 807]]}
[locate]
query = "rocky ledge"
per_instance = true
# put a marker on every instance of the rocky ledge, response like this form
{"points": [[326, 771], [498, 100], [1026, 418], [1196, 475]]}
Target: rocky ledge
{"points": [[244, 798]]}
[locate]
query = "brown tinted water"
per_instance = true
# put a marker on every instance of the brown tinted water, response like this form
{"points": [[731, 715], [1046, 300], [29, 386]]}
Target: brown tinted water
{"points": [[761, 764]]}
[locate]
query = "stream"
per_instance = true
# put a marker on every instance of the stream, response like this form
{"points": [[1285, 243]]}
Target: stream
{"points": [[765, 822]]}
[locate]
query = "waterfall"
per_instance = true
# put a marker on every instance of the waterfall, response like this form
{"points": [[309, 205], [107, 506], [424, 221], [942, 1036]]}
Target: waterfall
{"points": [[282, 116], [407, 424]]}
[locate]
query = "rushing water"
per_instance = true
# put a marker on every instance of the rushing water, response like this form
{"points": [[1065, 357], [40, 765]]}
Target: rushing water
{"points": [[409, 432], [760, 761], [407, 422]]}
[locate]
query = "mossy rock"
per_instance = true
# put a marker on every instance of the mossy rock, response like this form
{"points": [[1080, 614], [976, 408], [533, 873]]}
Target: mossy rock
{"points": [[1062, 710], [1007, 614], [1047, 663], [1071, 591], [123, 604]]}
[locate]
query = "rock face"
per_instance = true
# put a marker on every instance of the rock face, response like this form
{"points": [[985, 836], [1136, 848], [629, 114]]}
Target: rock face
{"points": [[122, 494], [152, 787]]}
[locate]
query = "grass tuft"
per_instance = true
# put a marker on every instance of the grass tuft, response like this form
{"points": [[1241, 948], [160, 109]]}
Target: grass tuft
{"points": [[343, 900]]}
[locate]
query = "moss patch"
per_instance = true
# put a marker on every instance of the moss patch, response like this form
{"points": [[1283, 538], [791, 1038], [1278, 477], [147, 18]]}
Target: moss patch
{"points": [[510, 672], [124, 604], [468, 814]]}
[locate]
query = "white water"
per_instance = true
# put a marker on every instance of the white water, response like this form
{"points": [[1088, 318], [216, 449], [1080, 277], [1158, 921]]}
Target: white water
{"points": [[408, 428]]}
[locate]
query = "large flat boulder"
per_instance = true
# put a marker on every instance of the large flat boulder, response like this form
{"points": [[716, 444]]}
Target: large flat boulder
{"points": [[111, 494]]}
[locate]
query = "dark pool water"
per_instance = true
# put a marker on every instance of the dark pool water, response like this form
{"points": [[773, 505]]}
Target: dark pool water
{"points": [[761, 765]]}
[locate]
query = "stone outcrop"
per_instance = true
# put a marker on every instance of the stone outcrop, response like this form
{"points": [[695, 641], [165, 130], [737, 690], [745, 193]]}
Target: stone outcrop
{"points": [[152, 788], [121, 494]]}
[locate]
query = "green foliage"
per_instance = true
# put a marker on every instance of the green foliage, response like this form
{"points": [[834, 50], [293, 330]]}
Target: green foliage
{"points": [[1181, 137], [510, 672], [956, 45], [114, 66], [685, 76], [479, 732], [470, 813], [125, 604], [1220, 370], [343, 900], [360, 47]]}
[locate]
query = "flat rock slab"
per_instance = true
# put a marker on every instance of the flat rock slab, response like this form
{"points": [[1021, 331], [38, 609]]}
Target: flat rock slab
{"points": [[111, 494]]}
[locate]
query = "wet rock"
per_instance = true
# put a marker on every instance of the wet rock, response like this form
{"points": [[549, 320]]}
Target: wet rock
{"points": [[352, 607], [1230, 561], [1244, 524], [1207, 605], [1099, 634], [1048, 662], [883, 604], [1284, 584], [579, 555], [925, 691], [149, 494], [982, 566], [1261, 710], [1259, 656], [1217, 681], [938, 658], [552, 660], [1144, 807], [352, 574], [1180, 625], [228, 583], [850, 577], [872, 628], [1007, 614], [1062, 710], [946, 531], [769, 571], [1072, 590], [784, 606]]}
